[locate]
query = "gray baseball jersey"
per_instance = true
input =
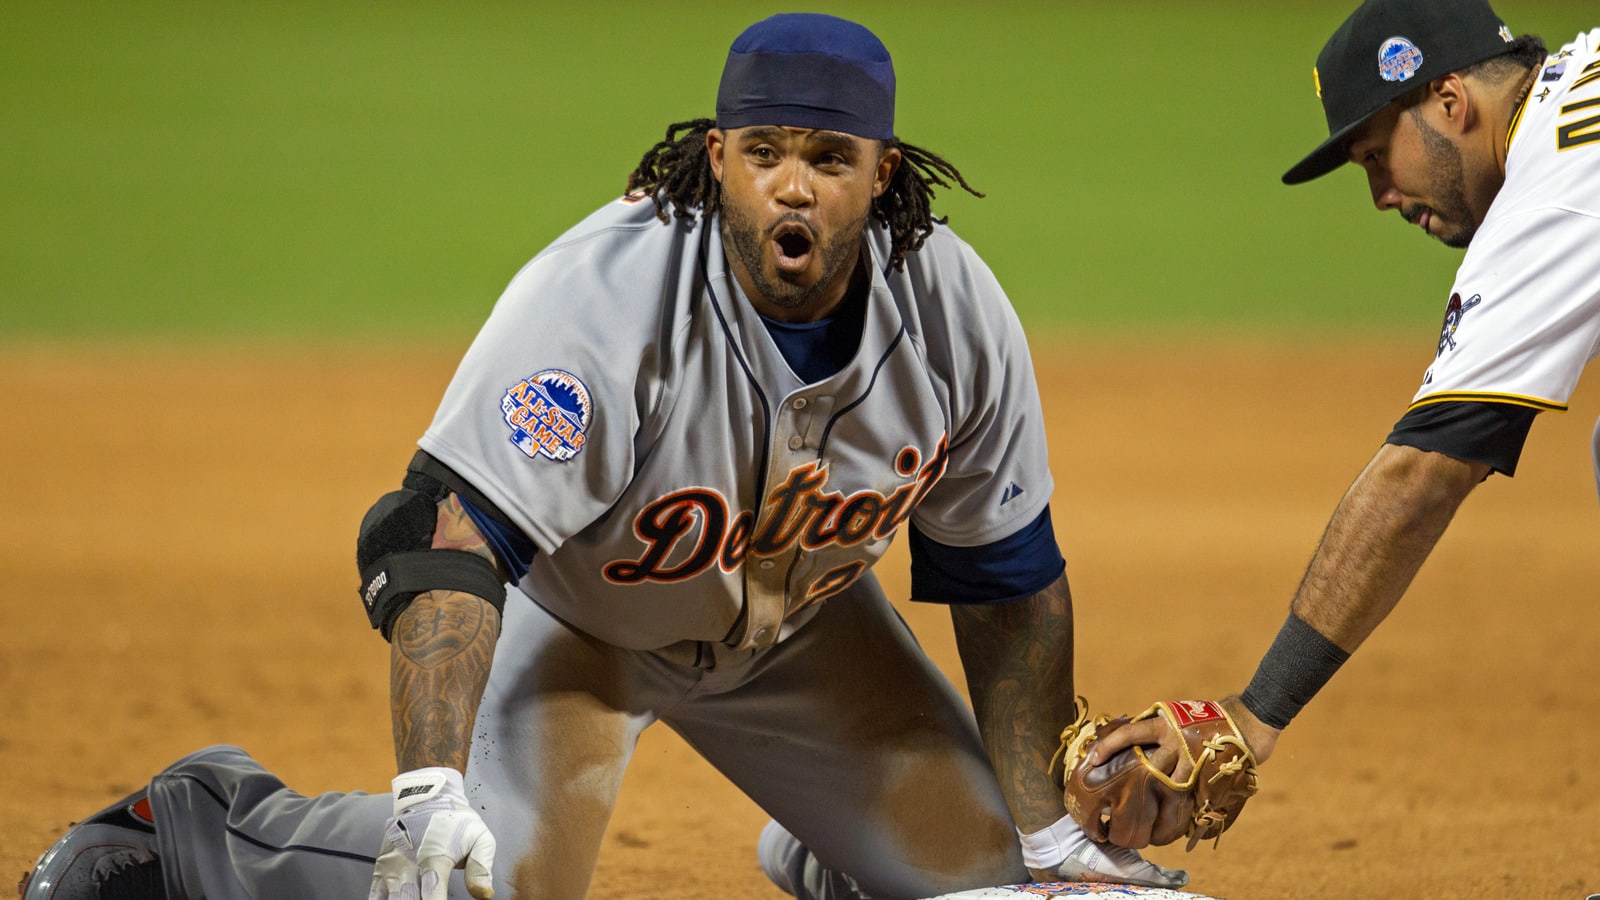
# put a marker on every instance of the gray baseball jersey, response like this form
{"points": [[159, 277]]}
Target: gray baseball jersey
{"points": [[625, 406], [629, 410]]}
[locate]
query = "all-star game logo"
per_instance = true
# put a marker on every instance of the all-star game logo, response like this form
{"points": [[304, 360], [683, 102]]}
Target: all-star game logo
{"points": [[549, 414], [1398, 59], [1453, 314]]}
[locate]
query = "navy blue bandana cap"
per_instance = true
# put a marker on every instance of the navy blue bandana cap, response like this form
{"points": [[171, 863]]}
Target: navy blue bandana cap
{"points": [[808, 70]]}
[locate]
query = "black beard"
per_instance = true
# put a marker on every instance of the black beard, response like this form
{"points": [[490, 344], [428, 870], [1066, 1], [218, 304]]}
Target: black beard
{"points": [[740, 233], [1449, 185]]}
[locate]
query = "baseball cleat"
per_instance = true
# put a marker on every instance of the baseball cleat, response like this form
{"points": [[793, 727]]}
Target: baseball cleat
{"points": [[789, 865], [782, 857], [1108, 863], [108, 856]]}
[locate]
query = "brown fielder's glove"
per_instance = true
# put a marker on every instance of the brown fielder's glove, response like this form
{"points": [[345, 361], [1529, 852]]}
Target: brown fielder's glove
{"points": [[1127, 798]]}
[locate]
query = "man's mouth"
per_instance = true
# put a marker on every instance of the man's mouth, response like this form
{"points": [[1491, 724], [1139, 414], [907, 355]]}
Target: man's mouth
{"points": [[1419, 216], [792, 243]]}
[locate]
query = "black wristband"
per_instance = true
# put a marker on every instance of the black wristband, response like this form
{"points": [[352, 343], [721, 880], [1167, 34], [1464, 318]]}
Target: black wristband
{"points": [[1296, 666]]}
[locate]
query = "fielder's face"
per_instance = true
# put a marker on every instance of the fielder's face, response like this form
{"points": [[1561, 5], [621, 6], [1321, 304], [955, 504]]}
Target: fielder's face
{"points": [[1414, 161], [795, 203]]}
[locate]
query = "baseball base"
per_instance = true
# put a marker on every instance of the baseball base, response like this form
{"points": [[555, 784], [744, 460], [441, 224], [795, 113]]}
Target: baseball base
{"points": [[1069, 889]]}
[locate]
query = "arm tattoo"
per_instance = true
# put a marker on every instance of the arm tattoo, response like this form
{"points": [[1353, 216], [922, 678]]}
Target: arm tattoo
{"points": [[439, 660], [455, 530], [438, 666], [1018, 663]]}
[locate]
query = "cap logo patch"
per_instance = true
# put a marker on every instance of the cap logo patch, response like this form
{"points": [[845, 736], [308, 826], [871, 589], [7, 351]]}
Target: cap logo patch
{"points": [[1505, 34], [1316, 81], [549, 414], [1398, 59]]}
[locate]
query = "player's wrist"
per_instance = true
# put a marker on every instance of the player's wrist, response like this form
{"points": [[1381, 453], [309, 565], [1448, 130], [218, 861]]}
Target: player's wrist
{"points": [[441, 785], [1297, 665], [1047, 848], [1260, 737]]}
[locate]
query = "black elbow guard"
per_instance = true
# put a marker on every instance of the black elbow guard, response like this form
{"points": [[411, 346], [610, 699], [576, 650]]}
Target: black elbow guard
{"points": [[397, 560]]}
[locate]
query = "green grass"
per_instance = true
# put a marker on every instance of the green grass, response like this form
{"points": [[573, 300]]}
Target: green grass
{"points": [[356, 170]]}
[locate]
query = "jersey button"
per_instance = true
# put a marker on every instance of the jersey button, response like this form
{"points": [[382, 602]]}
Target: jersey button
{"points": [[767, 564], [796, 442], [799, 403]]}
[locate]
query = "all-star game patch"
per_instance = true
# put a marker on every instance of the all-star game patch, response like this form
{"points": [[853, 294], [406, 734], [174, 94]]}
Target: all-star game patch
{"points": [[549, 414], [1398, 59]]}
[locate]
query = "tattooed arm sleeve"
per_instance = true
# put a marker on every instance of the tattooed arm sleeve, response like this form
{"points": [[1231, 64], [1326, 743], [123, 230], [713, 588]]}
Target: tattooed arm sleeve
{"points": [[439, 659], [1018, 663]]}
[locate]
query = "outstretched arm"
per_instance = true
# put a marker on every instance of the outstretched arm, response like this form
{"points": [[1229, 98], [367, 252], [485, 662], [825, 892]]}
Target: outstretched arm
{"points": [[1380, 534], [1382, 531], [1018, 662], [1384, 528], [1017, 657]]}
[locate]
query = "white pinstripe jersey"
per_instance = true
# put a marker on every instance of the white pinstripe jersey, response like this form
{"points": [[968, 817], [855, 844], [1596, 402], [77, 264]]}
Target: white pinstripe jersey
{"points": [[1524, 313], [625, 406]]}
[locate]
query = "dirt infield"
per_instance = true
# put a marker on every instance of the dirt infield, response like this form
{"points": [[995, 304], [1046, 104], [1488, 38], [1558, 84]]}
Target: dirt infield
{"points": [[178, 561]]}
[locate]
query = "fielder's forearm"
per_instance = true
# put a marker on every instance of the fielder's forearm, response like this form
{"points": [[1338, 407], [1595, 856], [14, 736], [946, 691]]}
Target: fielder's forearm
{"points": [[1383, 530], [1018, 663]]}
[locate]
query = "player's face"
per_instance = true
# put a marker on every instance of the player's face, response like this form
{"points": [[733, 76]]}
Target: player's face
{"points": [[795, 202], [1415, 168]]}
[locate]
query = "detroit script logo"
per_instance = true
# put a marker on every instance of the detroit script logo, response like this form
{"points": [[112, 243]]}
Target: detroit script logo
{"points": [[797, 511]]}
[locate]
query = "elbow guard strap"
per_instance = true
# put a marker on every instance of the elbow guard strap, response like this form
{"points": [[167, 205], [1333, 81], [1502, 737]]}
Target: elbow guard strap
{"points": [[398, 562]]}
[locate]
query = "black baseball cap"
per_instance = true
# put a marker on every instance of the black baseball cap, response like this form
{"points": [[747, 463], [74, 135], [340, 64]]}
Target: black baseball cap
{"points": [[1386, 48]]}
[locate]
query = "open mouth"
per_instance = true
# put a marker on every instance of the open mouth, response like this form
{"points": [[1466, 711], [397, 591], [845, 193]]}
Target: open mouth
{"points": [[793, 243]]}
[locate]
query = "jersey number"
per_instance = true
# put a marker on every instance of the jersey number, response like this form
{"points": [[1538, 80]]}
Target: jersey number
{"points": [[1580, 131], [1584, 130]]}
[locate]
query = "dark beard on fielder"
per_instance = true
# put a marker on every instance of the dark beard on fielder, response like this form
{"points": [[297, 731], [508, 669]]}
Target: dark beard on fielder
{"points": [[1448, 183], [748, 244]]}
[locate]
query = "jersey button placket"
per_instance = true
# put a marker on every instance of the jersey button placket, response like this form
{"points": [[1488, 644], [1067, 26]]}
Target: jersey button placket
{"points": [[797, 420]]}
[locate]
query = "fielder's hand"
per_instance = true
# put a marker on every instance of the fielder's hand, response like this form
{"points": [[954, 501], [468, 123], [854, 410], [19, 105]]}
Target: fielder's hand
{"points": [[1135, 799], [433, 830], [1161, 743]]}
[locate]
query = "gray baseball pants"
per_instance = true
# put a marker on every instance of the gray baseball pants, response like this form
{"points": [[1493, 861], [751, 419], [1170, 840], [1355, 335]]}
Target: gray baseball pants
{"points": [[845, 733]]}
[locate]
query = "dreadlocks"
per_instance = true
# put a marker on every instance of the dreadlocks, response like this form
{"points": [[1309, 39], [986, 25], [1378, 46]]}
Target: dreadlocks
{"points": [[677, 170]]}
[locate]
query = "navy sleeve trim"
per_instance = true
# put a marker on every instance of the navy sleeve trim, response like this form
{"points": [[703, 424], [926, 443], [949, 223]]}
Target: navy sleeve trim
{"points": [[514, 551], [1010, 569], [1473, 431], [513, 548]]}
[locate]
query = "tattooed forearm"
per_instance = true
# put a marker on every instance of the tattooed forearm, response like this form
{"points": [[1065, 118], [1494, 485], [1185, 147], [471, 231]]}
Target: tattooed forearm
{"points": [[439, 658], [438, 666], [1018, 663]]}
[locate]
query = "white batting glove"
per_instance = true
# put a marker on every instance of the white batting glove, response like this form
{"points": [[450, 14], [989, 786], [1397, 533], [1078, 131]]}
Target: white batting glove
{"points": [[1064, 849], [433, 830]]}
